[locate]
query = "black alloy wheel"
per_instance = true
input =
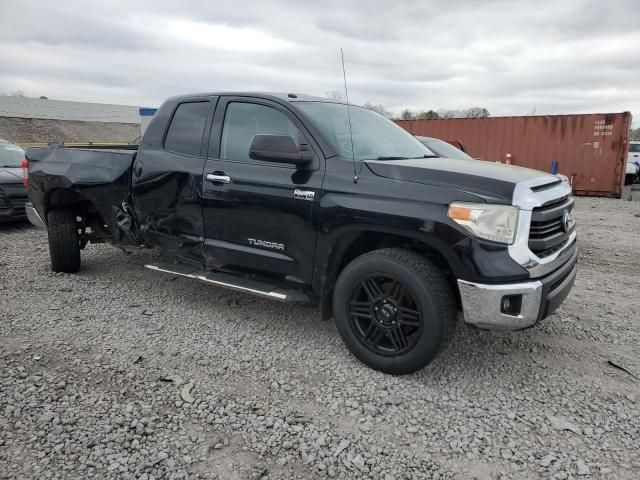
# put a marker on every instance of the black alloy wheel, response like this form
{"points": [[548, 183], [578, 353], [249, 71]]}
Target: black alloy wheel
{"points": [[384, 315], [394, 309]]}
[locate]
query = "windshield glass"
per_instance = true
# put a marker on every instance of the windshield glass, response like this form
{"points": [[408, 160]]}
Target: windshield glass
{"points": [[374, 137], [11, 155], [444, 149]]}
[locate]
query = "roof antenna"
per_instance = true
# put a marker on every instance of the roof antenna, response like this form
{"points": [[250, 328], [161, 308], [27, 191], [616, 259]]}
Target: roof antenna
{"points": [[346, 93]]}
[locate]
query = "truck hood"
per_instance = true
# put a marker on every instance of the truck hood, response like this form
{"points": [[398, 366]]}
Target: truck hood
{"points": [[494, 182], [10, 175]]}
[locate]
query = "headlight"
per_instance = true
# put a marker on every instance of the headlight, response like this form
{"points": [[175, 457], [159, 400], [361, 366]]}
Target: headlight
{"points": [[491, 222]]}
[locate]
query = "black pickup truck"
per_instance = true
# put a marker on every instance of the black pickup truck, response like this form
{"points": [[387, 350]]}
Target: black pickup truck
{"points": [[302, 199]]}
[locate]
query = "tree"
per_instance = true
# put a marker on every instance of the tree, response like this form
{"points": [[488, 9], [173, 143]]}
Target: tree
{"points": [[635, 134], [407, 114], [473, 112], [428, 115], [335, 95], [379, 109], [450, 113], [477, 112], [17, 93]]}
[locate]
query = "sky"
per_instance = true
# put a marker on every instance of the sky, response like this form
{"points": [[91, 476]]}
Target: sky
{"points": [[512, 57]]}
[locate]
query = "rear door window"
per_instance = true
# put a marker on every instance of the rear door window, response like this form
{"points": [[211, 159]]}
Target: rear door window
{"points": [[187, 127]]}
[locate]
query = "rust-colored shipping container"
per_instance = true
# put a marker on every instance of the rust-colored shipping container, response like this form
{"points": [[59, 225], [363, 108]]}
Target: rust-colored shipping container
{"points": [[590, 149]]}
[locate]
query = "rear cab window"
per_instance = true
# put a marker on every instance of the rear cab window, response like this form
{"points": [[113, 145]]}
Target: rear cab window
{"points": [[187, 127]]}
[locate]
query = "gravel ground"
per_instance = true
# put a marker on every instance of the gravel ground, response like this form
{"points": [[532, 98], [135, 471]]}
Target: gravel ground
{"points": [[121, 372]]}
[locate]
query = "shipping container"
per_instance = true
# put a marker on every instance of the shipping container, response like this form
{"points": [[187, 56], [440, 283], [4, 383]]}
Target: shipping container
{"points": [[590, 149]]}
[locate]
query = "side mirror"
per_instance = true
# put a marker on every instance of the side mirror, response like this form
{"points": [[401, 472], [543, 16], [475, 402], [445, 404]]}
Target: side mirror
{"points": [[280, 149]]}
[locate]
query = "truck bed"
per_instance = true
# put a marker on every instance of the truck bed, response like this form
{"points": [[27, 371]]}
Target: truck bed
{"points": [[101, 176]]}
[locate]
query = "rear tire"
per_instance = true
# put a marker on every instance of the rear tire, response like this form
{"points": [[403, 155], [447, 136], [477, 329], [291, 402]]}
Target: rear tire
{"points": [[64, 244], [394, 309]]}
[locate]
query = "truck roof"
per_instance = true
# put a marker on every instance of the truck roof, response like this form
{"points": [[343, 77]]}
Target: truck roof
{"points": [[289, 97]]}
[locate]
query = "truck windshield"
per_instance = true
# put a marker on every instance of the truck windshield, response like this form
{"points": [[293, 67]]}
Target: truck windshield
{"points": [[374, 137], [444, 149]]}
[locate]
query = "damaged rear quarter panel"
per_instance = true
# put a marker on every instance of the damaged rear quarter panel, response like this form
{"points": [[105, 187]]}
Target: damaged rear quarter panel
{"points": [[102, 177]]}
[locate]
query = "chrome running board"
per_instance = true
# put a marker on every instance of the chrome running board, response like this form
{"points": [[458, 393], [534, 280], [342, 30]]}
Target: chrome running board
{"points": [[235, 283]]}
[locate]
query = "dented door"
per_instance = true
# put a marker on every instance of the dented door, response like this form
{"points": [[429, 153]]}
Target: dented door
{"points": [[167, 182]]}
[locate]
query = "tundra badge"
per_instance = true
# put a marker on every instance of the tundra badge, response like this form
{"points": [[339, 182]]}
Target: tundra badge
{"points": [[266, 244], [308, 195]]}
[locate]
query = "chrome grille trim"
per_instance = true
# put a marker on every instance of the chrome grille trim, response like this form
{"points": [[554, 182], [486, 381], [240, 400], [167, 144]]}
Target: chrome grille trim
{"points": [[527, 199]]}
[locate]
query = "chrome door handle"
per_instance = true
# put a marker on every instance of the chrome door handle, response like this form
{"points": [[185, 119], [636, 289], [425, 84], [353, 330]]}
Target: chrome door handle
{"points": [[212, 177]]}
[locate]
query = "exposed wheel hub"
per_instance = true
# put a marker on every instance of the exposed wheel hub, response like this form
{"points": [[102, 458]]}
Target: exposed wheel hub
{"points": [[385, 311]]}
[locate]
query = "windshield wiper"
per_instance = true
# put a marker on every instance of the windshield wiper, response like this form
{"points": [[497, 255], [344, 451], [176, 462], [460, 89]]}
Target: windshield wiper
{"points": [[391, 157], [427, 156]]}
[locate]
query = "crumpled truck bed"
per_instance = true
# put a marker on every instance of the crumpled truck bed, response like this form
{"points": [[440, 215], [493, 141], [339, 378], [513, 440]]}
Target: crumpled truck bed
{"points": [[101, 176]]}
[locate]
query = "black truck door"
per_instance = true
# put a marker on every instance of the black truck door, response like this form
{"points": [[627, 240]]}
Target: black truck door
{"points": [[259, 216], [167, 180]]}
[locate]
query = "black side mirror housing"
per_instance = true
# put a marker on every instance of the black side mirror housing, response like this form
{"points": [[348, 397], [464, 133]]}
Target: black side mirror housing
{"points": [[279, 149]]}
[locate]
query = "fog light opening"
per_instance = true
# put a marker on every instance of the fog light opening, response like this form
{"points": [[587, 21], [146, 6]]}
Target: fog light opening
{"points": [[511, 305]]}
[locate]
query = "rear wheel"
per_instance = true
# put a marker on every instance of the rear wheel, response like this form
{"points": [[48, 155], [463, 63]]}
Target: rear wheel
{"points": [[64, 243], [394, 310]]}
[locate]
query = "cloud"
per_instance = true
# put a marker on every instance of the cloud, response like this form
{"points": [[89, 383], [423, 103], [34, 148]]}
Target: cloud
{"points": [[508, 56]]}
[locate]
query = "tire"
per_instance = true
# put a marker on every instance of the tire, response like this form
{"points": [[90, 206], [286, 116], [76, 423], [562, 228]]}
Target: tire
{"points": [[64, 244], [412, 314]]}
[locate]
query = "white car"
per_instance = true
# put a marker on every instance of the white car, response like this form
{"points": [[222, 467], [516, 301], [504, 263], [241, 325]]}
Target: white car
{"points": [[633, 163]]}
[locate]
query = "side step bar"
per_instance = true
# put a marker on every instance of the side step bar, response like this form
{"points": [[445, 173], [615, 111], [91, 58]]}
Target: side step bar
{"points": [[235, 283]]}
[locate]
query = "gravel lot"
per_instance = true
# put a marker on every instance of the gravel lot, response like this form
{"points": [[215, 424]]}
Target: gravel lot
{"points": [[121, 372]]}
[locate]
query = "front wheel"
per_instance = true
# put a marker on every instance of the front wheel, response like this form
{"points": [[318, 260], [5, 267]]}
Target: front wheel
{"points": [[394, 310], [64, 243]]}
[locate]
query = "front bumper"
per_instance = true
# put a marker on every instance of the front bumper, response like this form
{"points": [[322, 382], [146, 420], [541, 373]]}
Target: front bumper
{"points": [[11, 214], [482, 303]]}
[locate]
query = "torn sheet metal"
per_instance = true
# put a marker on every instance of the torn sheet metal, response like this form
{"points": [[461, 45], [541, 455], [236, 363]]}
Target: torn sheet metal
{"points": [[102, 177]]}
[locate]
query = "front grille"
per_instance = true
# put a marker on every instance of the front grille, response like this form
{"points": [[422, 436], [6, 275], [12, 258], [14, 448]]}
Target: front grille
{"points": [[14, 190], [13, 196], [18, 203], [547, 233]]}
